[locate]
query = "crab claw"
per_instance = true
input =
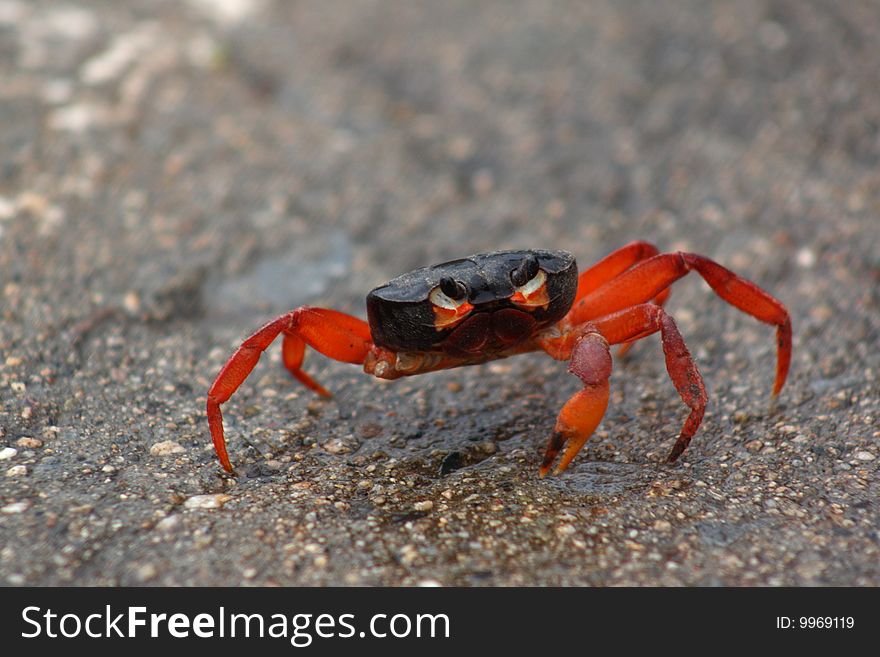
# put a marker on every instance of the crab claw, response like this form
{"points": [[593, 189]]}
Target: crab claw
{"points": [[578, 419]]}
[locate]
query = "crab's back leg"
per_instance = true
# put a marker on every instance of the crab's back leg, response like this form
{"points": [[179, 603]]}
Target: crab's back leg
{"points": [[334, 334], [612, 266], [649, 278]]}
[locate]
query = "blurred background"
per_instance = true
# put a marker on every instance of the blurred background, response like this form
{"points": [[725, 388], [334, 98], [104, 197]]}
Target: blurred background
{"points": [[174, 174]]}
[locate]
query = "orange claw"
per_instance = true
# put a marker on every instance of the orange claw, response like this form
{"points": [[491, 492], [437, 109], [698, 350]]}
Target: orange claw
{"points": [[334, 334], [578, 419]]}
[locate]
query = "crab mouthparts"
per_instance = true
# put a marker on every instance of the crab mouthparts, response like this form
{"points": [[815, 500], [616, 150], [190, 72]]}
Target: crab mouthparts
{"points": [[491, 331]]}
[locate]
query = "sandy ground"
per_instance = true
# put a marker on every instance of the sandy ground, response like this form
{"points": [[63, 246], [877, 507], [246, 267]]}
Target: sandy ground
{"points": [[174, 174]]}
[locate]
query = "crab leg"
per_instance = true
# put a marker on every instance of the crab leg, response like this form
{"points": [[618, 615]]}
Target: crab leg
{"points": [[612, 266], [649, 278], [581, 414], [643, 320], [591, 361], [334, 334]]}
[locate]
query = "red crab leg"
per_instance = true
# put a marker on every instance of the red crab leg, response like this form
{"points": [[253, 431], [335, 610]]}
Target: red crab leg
{"points": [[611, 266], [591, 361], [649, 278], [643, 320], [614, 264], [334, 334]]}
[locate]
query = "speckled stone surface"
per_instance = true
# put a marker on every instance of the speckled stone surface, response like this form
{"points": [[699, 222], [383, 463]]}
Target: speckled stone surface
{"points": [[174, 174]]}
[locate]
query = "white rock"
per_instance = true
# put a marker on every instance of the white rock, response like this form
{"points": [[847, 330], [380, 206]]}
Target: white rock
{"points": [[168, 523], [145, 572], [7, 208], [77, 117], [165, 448], [7, 453], [228, 12], [16, 471], [124, 51], [207, 501]]}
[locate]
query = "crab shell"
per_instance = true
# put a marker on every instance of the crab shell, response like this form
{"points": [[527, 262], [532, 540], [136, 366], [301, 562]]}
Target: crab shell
{"points": [[493, 314]]}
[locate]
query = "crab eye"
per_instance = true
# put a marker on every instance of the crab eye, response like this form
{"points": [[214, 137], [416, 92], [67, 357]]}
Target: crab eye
{"points": [[449, 300], [452, 288], [531, 284], [450, 294], [526, 271]]}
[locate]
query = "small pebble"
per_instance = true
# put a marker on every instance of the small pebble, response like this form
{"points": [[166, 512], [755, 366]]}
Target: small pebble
{"points": [[336, 446], [168, 523], [408, 554], [805, 258], [7, 453], [166, 447], [131, 302], [427, 505], [29, 443], [145, 573], [207, 501], [16, 471], [15, 507], [864, 456], [740, 417]]}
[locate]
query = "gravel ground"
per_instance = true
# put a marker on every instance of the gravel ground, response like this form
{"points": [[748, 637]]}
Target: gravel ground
{"points": [[173, 174]]}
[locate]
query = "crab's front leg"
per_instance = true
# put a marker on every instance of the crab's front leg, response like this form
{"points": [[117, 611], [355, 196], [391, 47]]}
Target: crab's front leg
{"points": [[334, 334], [587, 347], [590, 360]]}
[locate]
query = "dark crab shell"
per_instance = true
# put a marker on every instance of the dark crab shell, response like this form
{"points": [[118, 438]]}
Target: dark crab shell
{"points": [[401, 316]]}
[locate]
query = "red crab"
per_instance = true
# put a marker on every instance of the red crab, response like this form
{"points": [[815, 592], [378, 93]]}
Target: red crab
{"points": [[499, 304]]}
